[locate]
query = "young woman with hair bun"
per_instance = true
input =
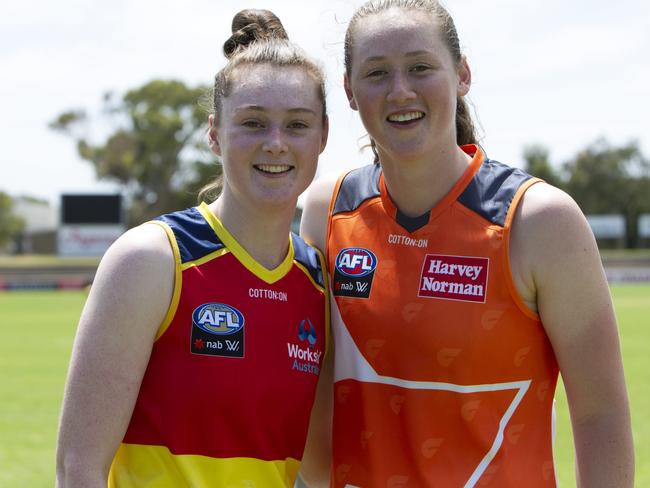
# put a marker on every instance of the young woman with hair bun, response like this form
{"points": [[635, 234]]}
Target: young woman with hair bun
{"points": [[199, 349], [462, 287]]}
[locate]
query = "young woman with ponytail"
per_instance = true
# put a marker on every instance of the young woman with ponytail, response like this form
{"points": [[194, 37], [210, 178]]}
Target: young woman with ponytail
{"points": [[199, 350], [462, 287]]}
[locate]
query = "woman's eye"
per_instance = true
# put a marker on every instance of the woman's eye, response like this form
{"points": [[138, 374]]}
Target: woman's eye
{"points": [[375, 73], [420, 67], [298, 125], [253, 124]]}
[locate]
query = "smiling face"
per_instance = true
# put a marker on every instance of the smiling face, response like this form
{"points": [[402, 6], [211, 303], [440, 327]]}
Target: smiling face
{"points": [[269, 134], [404, 83]]}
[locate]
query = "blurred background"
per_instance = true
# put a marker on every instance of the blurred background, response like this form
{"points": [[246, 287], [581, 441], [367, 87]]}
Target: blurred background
{"points": [[105, 101], [101, 129]]}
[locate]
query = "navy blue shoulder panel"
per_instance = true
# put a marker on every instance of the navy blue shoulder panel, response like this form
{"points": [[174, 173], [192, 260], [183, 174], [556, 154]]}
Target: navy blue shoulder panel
{"points": [[193, 234], [308, 257], [357, 186], [492, 189]]}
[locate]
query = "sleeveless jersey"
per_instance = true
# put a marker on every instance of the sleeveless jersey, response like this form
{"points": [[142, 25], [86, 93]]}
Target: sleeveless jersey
{"points": [[443, 376], [227, 394]]}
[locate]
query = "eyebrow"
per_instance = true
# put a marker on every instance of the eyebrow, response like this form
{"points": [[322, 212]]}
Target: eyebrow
{"points": [[259, 108], [411, 54]]}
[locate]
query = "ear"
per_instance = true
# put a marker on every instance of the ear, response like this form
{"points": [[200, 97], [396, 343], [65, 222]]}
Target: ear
{"points": [[464, 77], [213, 135], [348, 92], [325, 134]]}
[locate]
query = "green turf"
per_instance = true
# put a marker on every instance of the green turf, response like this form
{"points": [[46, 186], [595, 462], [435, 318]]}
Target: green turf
{"points": [[36, 332]]}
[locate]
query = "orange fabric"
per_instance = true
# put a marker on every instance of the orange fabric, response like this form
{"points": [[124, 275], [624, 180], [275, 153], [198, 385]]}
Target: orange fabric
{"points": [[442, 377]]}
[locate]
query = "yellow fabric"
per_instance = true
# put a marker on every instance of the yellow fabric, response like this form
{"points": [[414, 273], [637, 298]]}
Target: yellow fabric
{"points": [[270, 276], [139, 466], [205, 259], [177, 279]]}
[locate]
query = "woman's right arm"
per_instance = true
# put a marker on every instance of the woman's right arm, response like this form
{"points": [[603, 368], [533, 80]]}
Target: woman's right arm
{"points": [[128, 301]]}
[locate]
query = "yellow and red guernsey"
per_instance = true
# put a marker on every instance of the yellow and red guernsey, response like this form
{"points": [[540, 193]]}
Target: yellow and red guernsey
{"points": [[227, 394], [443, 376]]}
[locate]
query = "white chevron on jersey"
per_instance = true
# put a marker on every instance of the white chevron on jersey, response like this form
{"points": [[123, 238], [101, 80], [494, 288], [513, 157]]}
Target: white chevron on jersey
{"points": [[350, 364]]}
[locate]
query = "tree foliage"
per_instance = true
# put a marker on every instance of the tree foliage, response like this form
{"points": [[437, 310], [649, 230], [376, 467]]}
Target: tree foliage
{"points": [[602, 179], [538, 164], [10, 224], [156, 151], [605, 179]]}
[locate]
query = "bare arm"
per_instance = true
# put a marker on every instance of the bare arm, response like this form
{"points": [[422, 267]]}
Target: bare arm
{"points": [[315, 468], [313, 225], [557, 268], [128, 301]]}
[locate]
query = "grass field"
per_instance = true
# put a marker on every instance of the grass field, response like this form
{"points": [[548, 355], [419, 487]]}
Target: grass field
{"points": [[36, 332]]}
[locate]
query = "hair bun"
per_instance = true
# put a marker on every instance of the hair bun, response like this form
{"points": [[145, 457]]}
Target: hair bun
{"points": [[251, 25]]}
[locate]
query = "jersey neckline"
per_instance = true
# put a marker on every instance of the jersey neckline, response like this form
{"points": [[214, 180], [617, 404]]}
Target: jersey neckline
{"points": [[413, 224], [270, 276]]}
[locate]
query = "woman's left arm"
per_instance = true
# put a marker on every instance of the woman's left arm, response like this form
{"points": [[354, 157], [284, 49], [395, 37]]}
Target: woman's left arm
{"points": [[555, 261]]}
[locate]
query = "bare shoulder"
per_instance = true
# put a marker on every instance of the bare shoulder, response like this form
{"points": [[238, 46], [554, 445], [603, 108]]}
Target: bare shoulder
{"points": [[554, 256], [138, 268], [313, 225], [549, 229], [142, 244], [543, 201], [142, 253]]}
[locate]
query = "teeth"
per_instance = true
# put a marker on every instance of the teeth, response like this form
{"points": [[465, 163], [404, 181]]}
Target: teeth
{"points": [[273, 168], [406, 117]]}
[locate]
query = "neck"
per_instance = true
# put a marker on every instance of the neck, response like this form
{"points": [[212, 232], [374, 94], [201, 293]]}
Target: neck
{"points": [[262, 232], [416, 186]]}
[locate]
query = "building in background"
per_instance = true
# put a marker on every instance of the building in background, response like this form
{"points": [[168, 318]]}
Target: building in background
{"points": [[41, 221]]}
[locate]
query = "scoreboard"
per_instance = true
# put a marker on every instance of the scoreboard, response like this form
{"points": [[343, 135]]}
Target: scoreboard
{"points": [[90, 223]]}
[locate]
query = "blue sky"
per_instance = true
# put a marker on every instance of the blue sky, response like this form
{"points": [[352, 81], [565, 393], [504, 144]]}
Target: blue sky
{"points": [[555, 73]]}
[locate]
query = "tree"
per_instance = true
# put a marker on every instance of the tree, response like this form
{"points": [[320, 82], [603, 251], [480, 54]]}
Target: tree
{"points": [[538, 164], [156, 151], [605, 179], [10, 224]]}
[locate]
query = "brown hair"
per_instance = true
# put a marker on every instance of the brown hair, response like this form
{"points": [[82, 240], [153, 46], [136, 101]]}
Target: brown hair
{"points": [[465, 133], [258, 37]]}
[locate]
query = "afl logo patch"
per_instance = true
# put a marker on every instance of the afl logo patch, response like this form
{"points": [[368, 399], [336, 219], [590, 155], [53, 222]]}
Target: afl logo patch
{"points": [[354, 270], [356, 262], [218, 318], [217, 330]]}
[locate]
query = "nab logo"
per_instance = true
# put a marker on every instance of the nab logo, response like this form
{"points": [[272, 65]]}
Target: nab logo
{"points": [[217, 330], [356, 262], [353, 272], [218, 318]]}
